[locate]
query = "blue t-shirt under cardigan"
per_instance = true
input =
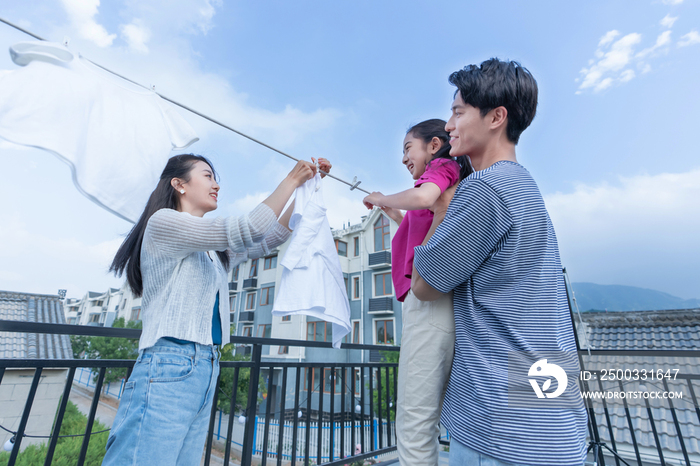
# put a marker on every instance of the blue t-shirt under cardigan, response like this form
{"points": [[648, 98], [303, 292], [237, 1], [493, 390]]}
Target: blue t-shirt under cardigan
{"points": [[215, 326], [496, 248]]}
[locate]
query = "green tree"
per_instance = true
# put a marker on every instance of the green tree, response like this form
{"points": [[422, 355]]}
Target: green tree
{"points": [[114, 348], [79, 344], [67, 448], [226, 382], [390, 357]]}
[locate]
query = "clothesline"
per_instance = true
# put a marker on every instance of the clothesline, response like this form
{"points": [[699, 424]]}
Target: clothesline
{"points": [[353, 185]]}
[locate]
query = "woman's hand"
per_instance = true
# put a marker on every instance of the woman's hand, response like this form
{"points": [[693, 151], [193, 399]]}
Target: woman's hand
{"points": [[301, 173], [323, 165], [374, 199]]}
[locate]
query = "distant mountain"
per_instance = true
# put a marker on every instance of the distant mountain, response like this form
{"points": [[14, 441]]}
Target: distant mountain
{"points": [[591, 296]]}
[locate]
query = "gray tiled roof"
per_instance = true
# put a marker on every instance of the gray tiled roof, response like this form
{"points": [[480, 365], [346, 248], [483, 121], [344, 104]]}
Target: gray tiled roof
{"points": [[646, 330], [33, 308]]}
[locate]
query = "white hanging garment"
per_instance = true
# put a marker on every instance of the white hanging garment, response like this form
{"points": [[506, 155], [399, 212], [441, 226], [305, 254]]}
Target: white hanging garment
{"points": [[115, 136], [312, 281]]}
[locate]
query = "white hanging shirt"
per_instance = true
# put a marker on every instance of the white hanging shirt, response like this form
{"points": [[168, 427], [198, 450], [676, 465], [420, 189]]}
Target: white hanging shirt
{"points": [[312, 281], [115, 136]]}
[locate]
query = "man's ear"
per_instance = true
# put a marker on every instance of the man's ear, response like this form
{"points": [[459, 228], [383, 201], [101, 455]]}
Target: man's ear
{"points": [[498, 117]]}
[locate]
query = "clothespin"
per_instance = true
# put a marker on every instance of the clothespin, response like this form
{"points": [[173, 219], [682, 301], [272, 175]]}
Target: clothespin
{"points": [[66, 40], [355, 183], [318, 186], [153, 87]]}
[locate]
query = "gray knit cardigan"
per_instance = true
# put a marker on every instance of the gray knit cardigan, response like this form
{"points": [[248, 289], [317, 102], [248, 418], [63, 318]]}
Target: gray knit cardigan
{"points": [[180, 281]]}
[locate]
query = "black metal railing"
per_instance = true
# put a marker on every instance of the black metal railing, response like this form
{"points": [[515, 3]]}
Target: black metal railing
{"points": [[638, 431], [351, 409], [656, 421]]}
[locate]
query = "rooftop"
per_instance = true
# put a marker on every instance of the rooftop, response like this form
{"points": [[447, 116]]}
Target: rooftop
{"points": [[33, 308]]}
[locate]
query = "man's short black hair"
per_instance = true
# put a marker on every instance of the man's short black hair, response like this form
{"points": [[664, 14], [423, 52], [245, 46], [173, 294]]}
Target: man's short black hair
{"points": [[497, 83]]}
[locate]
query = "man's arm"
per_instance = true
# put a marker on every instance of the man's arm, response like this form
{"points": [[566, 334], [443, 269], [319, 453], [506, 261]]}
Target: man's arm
{"points": [[460, 240], [421, 289]]}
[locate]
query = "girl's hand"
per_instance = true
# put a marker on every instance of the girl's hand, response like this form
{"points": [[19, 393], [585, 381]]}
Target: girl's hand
{"points": [[394, 214], [301, 173], [323, 165], [374, 199]]}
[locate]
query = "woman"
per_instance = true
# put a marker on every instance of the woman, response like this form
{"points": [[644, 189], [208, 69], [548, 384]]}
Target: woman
{"points": [[165, 406]]}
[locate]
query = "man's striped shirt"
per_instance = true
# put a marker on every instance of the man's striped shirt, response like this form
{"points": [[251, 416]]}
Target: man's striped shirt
{"points": [[496, 248]]}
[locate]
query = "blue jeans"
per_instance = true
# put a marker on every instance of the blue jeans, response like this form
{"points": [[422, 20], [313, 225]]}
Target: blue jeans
{"points": [[462, 455], [164, 412]]}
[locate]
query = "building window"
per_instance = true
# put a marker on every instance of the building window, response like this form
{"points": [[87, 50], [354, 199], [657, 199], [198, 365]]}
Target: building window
{"points": [[136, 314], [253, 268], [232, 302], [384, 332], [266, 295], [97, 304], [234, 274], [355, 287], [265, 331], [382, 284], [248, 331], [356, 332], [382, 239], [356, 245], [341, 247], [283, 350], [270, 263], [250, 301], [95, 318], [318, 331], [286, 318], [328, 378]]}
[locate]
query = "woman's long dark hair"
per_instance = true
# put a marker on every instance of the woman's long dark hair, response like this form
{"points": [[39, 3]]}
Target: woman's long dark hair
{"points": [[163, 197], [435, 128]]}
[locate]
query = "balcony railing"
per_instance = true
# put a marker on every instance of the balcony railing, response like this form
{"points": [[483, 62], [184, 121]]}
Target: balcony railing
{"points": [[383, 305], [355, 412], [640, 431], [380, 259], [247, 316], [232, 286], [250, 283]]}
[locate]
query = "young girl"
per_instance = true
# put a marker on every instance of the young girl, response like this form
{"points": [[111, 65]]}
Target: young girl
{"points": [[178, 262], [427, 338]]}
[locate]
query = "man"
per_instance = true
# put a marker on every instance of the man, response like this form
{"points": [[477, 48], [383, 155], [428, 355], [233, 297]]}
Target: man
{"points": [[495, 247]]}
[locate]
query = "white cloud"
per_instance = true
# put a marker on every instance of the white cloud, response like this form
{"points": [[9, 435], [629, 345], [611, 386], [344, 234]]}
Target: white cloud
{"points": [[662, 40], [136, 34], [627, 75], [668, 21], [42, 261], [611, 63], [607, 38], [181, 16], [643, 228], [689, 39], [671, 2], [82, 14]]}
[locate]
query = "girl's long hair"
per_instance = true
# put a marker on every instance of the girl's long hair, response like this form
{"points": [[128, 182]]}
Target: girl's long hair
{"points": [[128, 256], [435, 128]]}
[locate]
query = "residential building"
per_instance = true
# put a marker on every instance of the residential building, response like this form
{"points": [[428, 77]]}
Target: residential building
{"points": [[16, 382], [364, 251]]}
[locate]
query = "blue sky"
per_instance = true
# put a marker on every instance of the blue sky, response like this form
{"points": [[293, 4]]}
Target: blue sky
{"points": [[613, 147]]}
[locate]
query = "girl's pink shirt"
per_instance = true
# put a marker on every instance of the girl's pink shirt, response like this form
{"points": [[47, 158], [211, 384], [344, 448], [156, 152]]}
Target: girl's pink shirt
{"points": [[416, 224]]}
